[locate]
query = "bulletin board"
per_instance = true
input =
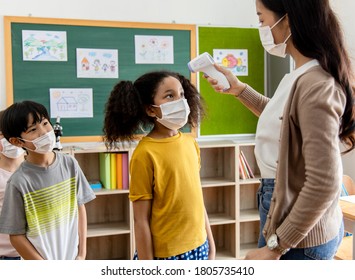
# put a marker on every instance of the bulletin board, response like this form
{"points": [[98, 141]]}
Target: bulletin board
{"points": [[225, 114], [31, 80]]}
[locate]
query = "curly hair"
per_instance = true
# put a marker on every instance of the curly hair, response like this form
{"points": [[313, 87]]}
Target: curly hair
{"points": [[125, 110]]}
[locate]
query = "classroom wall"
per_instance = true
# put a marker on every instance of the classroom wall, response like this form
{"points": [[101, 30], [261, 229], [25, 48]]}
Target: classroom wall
{"points": [[240, 13]]}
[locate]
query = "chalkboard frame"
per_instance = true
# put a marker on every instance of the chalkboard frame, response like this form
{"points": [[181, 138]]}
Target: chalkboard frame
{"points": [[30, 22]]}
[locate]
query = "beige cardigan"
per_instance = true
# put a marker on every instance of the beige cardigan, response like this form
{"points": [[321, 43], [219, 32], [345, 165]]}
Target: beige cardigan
{"points": [[304, 209]]}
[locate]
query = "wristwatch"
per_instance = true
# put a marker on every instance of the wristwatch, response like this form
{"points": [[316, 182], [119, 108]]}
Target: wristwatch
{"points": [[273, 245]]}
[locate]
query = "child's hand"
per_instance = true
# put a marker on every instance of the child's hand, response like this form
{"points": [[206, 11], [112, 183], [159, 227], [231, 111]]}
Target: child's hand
{"points": [[212, 255]]}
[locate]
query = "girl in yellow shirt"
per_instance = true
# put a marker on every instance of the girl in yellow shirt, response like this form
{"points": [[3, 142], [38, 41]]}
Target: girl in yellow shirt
{"points": [[170, 219]]}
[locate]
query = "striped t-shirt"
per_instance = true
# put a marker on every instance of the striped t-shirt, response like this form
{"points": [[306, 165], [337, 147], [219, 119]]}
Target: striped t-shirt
{"points": [[42, 202]]}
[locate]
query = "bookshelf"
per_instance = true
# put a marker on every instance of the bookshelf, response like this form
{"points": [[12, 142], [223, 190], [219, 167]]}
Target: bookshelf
{"points": [[230, 202], [109, 216], [248, 212]]}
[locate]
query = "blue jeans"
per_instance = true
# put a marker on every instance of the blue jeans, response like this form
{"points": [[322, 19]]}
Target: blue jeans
{"points": [[321, 252], [264, 196]]}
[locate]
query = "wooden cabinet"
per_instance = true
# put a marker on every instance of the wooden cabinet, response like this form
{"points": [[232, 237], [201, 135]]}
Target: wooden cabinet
{"points": [[109, 226], [230, 203], [248, 217], [218, 179], [109, 216]]}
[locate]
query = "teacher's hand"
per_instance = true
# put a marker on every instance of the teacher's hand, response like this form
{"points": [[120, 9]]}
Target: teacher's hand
{"points": [[263, 253], [236, 86]]}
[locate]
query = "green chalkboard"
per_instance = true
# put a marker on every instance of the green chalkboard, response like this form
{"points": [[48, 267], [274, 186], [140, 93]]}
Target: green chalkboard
{"points": [[225, 114], [31, 80]]}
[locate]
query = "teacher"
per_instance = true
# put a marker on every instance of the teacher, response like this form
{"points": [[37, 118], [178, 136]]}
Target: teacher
{"points": [[299, 130]]}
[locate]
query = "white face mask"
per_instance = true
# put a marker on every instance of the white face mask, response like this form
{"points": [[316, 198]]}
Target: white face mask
{"points": [[174, 114], [10, 150], [44, 143], [267, 40]]}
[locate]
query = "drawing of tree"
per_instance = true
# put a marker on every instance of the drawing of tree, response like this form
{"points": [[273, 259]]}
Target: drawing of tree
{"points": [[82, 100]]}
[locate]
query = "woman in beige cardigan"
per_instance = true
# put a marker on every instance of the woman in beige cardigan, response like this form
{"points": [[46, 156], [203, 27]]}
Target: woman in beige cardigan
{"points": [[299, 129]]}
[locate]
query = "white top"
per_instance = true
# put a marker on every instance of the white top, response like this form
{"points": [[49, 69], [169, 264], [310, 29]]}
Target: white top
{"points": [[6, 248], [269, 124]]}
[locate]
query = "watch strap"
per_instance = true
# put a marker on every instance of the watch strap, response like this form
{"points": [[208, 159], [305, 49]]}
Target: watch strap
{"points": [[281, 250]]}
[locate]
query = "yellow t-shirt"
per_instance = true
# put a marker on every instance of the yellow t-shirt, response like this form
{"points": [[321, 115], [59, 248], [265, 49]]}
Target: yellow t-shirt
{"points": [[167, 171]]}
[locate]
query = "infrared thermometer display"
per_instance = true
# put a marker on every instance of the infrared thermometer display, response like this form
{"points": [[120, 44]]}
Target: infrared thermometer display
{"points": [[204, 63]]}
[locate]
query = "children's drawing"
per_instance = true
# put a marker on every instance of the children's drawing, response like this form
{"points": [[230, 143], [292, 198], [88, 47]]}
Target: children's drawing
{"points": [[154, 49], [235, 60], [97, 63], [71, 102], [44, 45]]}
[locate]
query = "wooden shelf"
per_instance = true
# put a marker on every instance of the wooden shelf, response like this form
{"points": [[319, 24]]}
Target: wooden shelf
{"points": [[110, 222], [110, 192], [216, 182], [249, 215], [251, 181], [224, 255], [105, 229], [220, 219], [229, 201]]}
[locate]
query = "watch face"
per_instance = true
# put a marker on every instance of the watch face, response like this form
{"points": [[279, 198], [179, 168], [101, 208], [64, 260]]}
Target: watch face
{"points": [[272, 242]]}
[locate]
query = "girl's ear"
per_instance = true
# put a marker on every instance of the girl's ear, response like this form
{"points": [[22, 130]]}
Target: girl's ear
{"points": [[16, 142], [150, 110]]}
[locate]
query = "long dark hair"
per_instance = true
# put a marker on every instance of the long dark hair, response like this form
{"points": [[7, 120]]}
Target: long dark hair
{"points": [[316, 33], [125, 111]]}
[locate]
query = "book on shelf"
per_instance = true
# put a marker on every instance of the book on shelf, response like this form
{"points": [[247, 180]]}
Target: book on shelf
{"points": [[113, 171], [119, 171], [125, 179], [245, 166], [105, 170], [248, 166], [241, 171], [95, 184]]}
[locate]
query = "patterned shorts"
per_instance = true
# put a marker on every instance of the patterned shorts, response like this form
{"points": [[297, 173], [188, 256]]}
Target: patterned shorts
{"points": [[9, 258], [200, 253]]}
